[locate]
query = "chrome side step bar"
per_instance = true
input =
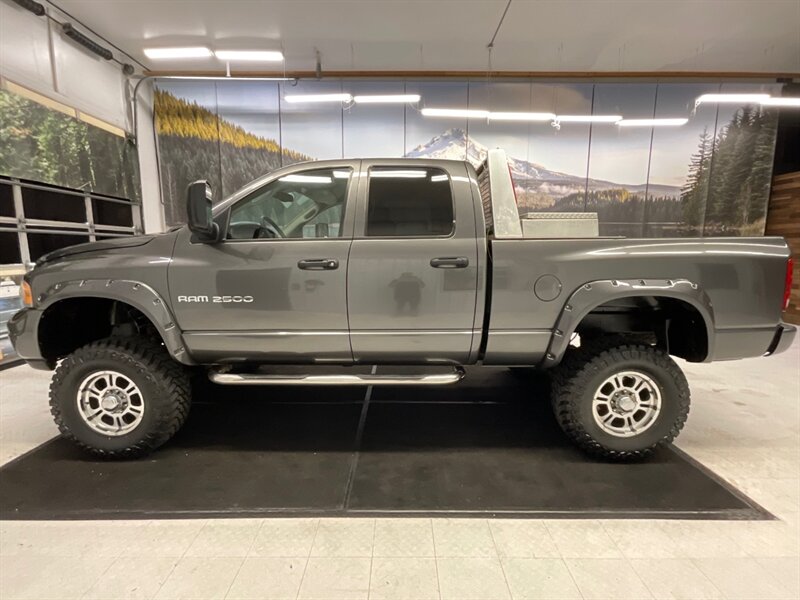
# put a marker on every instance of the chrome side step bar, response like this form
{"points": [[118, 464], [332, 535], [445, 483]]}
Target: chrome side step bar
{"points": [[228, 378]]}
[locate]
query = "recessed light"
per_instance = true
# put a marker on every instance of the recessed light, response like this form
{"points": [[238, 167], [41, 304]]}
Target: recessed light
{"points": [[731, 98], [670, 122], [455, 112], [588, 118], [297, 98], [250, 55], [521, 116], [785, 102], [192, 52], [387, 99]]}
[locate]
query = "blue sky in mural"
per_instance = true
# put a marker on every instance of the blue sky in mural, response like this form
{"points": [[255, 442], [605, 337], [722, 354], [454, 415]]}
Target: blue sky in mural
{"points": [[251, 105]]}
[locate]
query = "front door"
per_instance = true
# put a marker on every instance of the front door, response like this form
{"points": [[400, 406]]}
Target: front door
{"points": [[413, 269], [274, 290]]}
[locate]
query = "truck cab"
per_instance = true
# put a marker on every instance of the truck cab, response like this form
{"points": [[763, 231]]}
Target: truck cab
{"points": [[338, 262]]}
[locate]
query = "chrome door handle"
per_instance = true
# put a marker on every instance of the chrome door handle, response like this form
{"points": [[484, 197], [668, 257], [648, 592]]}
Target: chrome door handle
{"points": [[454, 262], [318, 264]]}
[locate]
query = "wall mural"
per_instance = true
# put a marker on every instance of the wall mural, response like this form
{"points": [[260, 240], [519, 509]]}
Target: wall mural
{"points": [[43, 145], [710, 176]]}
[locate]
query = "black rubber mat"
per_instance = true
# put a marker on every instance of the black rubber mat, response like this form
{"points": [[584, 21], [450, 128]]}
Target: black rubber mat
{"points": [[487, 446]]}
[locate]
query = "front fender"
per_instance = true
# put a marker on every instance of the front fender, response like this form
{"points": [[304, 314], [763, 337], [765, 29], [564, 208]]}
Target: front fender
{"points": [[139, 295], [591, 295]]}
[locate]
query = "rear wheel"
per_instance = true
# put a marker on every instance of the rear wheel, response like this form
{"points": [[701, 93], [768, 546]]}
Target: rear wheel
{"points": [[620, 401], [120, 397]]}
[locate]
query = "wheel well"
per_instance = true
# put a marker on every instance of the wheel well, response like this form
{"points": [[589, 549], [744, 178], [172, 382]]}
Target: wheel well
{"points": [[672, 324], [74, 322]]}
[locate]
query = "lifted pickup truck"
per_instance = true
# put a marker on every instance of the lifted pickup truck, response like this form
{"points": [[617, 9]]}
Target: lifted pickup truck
{"points": [[390, 262]]}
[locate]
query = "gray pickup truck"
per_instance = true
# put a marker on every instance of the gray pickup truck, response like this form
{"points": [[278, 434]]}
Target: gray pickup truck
{"points": [[342, 263]]}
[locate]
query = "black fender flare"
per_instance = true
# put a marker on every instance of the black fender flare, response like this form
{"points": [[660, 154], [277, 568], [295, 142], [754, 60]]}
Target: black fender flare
{"points": [[594, 293], [135, 293]]}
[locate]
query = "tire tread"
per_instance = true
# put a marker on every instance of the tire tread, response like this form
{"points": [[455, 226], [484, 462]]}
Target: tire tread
{"points": [[159, 367], [571, 377]]}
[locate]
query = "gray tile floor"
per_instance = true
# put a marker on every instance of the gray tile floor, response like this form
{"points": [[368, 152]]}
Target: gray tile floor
{"points": [[745, 426]]}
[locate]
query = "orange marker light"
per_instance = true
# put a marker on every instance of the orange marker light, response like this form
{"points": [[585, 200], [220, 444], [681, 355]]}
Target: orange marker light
{"points": [[26, 294]]}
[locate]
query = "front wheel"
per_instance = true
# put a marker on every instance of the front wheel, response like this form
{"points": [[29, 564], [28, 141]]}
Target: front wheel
{"points": [[120, 397], [621, 401]]}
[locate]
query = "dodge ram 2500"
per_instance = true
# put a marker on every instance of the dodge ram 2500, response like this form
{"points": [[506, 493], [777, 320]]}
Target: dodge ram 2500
{"points": [[392, 262]]}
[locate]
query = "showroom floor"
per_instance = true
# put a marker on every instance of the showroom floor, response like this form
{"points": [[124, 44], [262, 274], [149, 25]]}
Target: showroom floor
{"points": [[745, 426]]}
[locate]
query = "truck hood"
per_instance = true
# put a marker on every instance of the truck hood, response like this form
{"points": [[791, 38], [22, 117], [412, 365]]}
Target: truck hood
{"points": [[112, 244]]}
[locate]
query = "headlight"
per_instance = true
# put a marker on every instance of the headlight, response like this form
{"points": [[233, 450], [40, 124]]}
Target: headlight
{"points": [[26, 294]]}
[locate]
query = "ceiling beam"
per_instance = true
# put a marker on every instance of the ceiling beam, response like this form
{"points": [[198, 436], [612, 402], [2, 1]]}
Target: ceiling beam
{"points": [[688, 75]]}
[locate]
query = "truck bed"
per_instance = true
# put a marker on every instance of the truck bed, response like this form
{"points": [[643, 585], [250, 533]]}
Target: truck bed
{"points": [[739, 282]]}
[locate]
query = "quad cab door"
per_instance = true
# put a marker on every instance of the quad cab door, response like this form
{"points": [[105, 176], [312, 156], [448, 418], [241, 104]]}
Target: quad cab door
{"points": [[274, 289], [413, 268]]}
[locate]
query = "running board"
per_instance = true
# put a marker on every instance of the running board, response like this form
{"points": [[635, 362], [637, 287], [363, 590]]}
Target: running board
{"points": [[227, 378]]}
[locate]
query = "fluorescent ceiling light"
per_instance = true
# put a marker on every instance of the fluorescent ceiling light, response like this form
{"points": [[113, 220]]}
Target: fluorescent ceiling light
{"points": [[306, 179], [455, 112], [439, 177], [341, 174], [730, 98], [193, 52], [652, 122], [781, 102], [318, 98], [387, 99], [521, 116], [249, 55], [588, 118], [413, 174]]}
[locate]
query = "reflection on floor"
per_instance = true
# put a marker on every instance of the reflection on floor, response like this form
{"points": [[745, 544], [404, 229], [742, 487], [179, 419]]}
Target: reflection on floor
{"points": [[745, 425]]}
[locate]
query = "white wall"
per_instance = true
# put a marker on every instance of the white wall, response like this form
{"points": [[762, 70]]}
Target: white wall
{"points": [[35, 54], [152, 209]]}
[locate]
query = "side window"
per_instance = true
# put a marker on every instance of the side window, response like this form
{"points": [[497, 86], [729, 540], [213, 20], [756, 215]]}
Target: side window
{"points": [[409, 202], [309, 204]]}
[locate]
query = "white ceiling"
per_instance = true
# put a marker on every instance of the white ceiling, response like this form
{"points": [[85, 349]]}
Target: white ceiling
{"points": [[411, 35]]}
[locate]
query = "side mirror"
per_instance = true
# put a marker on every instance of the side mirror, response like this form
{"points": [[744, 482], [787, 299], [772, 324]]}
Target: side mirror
{"points": [[198, 211]]}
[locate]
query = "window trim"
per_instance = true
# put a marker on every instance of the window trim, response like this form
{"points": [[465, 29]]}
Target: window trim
{"points": [[365, 236], [227, 213]]}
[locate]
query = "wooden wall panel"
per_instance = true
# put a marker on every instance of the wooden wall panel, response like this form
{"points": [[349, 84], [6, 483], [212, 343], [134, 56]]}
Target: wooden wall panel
{"points": [[783, 218]]}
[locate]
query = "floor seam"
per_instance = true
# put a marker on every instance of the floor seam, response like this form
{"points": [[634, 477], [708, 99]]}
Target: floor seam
{"points": [[371, 559], [362, 420], [435, 559], [308, 559], [499, 560], [181, 557], [246, 556]]}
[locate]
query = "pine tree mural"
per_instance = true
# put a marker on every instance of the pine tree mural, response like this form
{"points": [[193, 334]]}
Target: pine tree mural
{"points": [[194, 143], [40, 144], [693, 193], [727, 189]]}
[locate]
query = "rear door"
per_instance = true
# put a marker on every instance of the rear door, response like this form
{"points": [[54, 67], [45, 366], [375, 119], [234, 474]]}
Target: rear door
{"points": [[413, 269]]}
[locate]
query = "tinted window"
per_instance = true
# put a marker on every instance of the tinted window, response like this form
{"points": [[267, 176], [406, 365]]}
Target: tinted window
{"points": [[409, 202], [53, 206], [308, 204]]}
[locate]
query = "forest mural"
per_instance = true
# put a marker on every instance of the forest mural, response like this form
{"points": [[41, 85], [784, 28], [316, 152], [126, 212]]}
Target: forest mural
{"points": [[710, 177], [44, 145], [729, 176]]}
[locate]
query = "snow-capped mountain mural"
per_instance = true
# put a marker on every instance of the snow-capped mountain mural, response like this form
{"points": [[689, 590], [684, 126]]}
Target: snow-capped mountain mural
{"points": [[531, 179]]}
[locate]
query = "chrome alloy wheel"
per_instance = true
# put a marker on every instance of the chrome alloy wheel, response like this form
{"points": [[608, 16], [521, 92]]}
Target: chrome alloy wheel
{"points": [[110, 403], [626, 404]]}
